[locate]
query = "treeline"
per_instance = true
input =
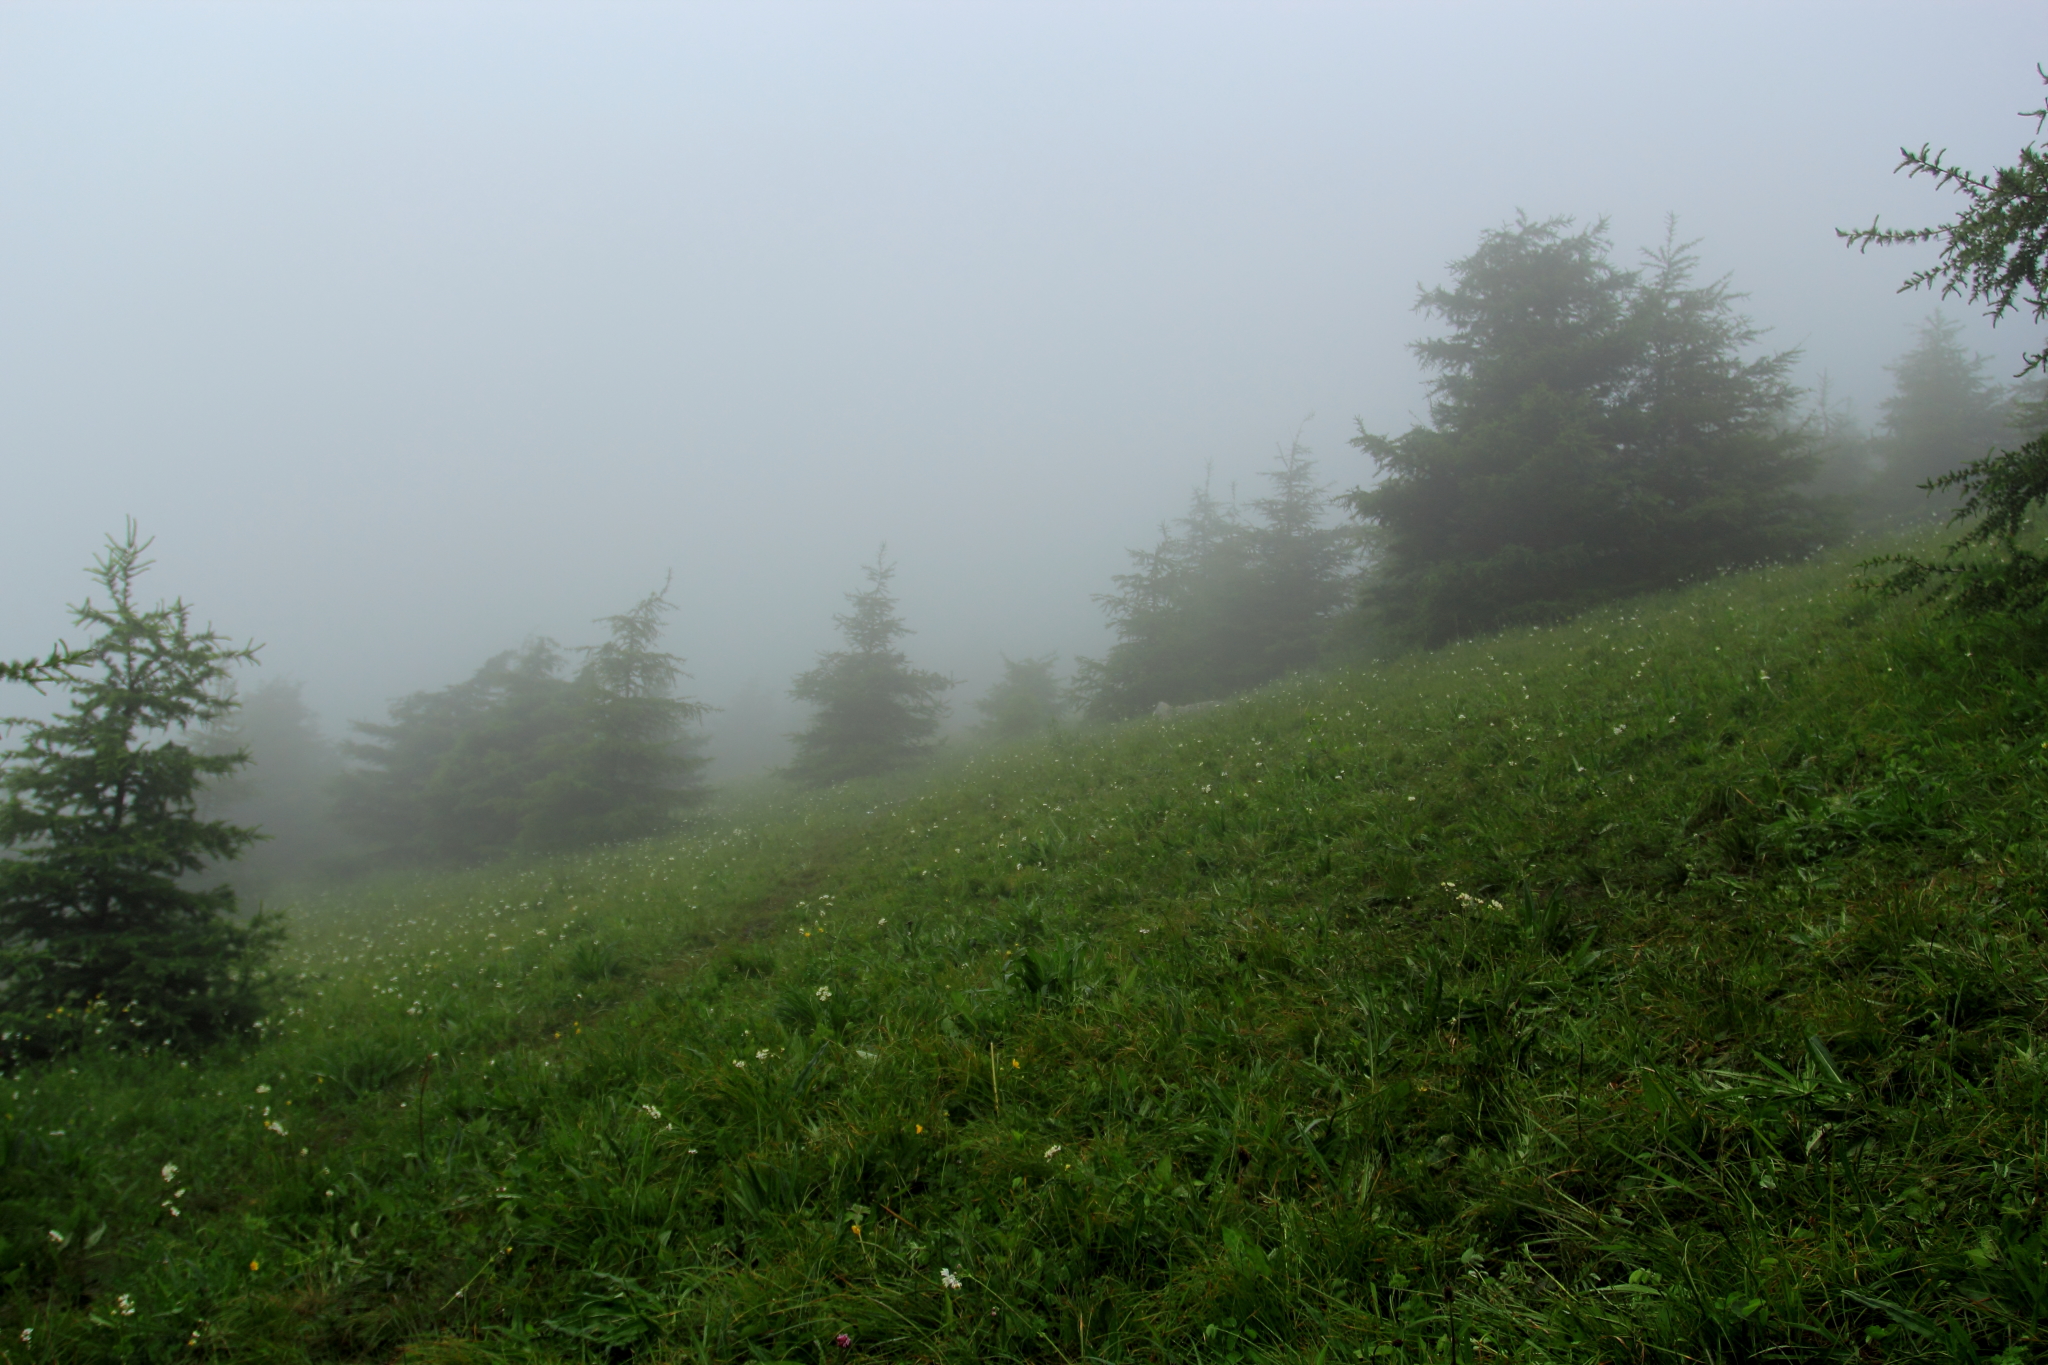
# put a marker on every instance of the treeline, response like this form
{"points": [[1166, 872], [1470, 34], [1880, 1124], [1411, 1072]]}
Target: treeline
{"points": [[1594, 430]]}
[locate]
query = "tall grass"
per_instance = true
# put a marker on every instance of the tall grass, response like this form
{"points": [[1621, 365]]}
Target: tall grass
{"points": [[1667, 985]]}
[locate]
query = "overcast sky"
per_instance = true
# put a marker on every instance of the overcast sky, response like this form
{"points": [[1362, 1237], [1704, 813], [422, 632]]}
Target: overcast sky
{"points": [[412, 330]]}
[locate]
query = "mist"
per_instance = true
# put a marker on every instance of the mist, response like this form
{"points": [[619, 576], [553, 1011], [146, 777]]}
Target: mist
{"points": [[412, 332]]}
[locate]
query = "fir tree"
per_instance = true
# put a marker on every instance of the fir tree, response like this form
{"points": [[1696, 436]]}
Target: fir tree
{"points": [[444, 780], [1991, 253], [286, 791], [1024, 702], [637, 758], [1173, 616], [874, 712], [1943, 412], [1594, 432], [1224, 602], [2027, 414], [1300, 570], [55, 667], [102, 935], [524, 757], [1849, 460]]}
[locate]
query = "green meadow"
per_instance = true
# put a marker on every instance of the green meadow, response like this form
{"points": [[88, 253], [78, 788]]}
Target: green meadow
{"points": [[1662, 986]]}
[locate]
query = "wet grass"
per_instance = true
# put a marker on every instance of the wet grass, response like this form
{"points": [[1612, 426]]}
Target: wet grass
{"points": [[1664, 986]]}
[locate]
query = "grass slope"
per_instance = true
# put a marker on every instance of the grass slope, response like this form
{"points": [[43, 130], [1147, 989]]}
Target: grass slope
{"points": [[1667, 985]]}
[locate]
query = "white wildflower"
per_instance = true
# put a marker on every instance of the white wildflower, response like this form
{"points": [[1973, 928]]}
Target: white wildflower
{"points": [[169, 1172], [124, 1304], [824, 992], [948, 1278], [650, 1111], [1052, 1151]]}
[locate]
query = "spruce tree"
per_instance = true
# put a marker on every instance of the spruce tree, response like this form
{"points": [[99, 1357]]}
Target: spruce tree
{"points": [[637, 759], [1593, 432], [443, 781], [1224, 602], [1024, 702], [286, 791], [525, 757], [103, 936], [1995, 252], [1943, 412], [55, 667], [1849, 461], [874, 712], [1300, 569], [1173, 616]]}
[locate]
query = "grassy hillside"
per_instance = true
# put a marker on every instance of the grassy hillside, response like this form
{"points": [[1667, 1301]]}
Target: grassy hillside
{"points": [[1664, 986]]}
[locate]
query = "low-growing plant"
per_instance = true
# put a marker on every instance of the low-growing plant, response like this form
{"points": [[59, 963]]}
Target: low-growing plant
{"points": [[1661, 985]]}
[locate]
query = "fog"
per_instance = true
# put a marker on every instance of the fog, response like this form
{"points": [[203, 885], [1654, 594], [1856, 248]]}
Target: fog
{"points": [[411, 331]]}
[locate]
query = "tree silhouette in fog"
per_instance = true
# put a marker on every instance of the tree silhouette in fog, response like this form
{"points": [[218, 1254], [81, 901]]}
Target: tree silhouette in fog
{"points": [[287, 791], [1594, 432], [1224, 602], [874, 712], [1025, 701], [525, 756], [1942, 413]]}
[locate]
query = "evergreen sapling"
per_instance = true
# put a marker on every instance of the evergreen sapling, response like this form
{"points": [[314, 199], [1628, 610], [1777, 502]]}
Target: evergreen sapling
{"points": [[102, 934]]}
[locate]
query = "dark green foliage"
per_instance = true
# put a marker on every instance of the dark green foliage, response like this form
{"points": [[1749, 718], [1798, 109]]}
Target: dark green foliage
{"points": [[875, 713], [526, 757], [1172, 617], [35, 672], [1225, 602], [1024, 702], [637, 762], [1301, 567], [1991, 253], [102, 938], [1594, 432], [2027, 413], [1999, 494], [1942, 413], [441, 781]]}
